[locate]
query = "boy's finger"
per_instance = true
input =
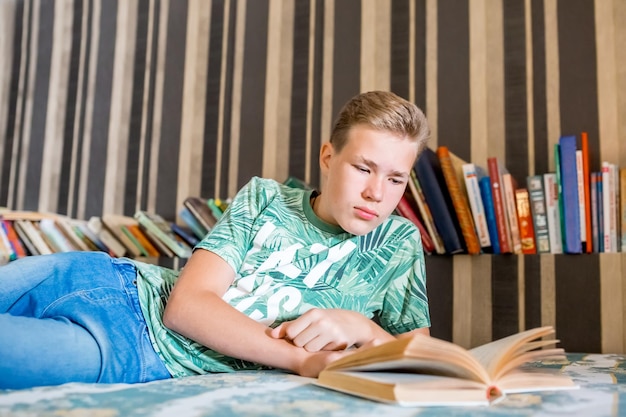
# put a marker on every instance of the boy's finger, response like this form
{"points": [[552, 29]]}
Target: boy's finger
{"points": [[278, 332]]}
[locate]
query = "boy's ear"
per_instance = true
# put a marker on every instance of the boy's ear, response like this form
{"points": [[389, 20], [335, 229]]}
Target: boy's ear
{"points": [[326, 152]]}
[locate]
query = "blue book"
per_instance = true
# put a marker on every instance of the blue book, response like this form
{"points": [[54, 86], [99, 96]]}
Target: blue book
{"points": [[490, 213], [429, 174], [600, 202], [569, 194]]}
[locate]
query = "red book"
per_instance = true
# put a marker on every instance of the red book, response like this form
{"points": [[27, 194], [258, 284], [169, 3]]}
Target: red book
{"points": [[525, 221], [405, 210], [584, 142], [495, 176]]}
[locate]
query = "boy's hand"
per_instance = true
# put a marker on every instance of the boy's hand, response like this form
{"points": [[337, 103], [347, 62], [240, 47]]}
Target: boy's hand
{"points": [[331, 329]]}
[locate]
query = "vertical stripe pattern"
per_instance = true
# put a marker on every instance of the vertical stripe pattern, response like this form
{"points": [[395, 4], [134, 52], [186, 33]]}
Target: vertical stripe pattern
{"points": [[110, 106]]}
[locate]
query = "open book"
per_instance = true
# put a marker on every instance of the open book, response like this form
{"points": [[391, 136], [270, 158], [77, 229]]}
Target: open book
{"points": [[425, 371]]}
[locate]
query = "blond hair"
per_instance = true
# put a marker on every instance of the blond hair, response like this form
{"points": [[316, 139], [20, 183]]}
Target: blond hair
{"points": [[384, 111]]}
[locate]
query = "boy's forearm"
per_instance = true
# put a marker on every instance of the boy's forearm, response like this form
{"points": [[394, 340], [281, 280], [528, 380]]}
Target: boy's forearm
{"points": [[210, 321]]}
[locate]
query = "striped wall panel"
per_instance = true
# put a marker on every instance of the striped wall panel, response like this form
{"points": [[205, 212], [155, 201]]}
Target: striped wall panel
{"points": [[109, 106], [475, 299]]}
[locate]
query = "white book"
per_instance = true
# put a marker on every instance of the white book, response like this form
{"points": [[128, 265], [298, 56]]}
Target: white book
{"points": [[581, 195], [55, 236], [608, 207], [35, 237], [115, 246], [470, 174], [551, 189]]}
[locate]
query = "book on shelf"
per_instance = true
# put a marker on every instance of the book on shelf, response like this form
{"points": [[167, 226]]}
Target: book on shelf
{"points": [[34, 235], [622, 208], [185, 234], [192, 222], [149, 249], [584, 145], [609, 209], [66, 228], [426, 371], [553, 212], [201, 211], [7, 254], [158, 243], [429, 174], [569, 195], [495, 169], [595, 227], [539, 212], [525, 220], [405, 209], [163, 231], [508, 187], [484, 184], [28, 245], [14, 239], [57, 240], [96, 226], [217, 207], [424, 211], [471, 174], [600, 191], [115, 224], [458, 195]]}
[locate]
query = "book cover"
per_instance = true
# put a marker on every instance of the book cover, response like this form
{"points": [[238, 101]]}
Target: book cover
{"points": [[185, 234], [608, 207], [504, 233], [113, 223], [143, 240], [525, 220], [593, 187], [190, 220], [418, 196], [35, 237], [425, 371], [471, 175], [56, 239], [162, 247], [68, 231], [584, 141], [569, 195], [28, 244], [539, 212], [14, 239], [428, 171], [405, 210], [553, 212], [490, 213], [600, 191], [581, 198], [459, 201], [200, 209], [162, 230], [508, 187]]}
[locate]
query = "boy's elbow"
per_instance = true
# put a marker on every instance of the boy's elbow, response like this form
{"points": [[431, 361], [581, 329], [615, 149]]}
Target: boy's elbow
{"points": [[170, 316]]}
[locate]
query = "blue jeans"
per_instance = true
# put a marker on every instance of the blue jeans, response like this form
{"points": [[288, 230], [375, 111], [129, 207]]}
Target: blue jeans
{"points": [[73, 317]]}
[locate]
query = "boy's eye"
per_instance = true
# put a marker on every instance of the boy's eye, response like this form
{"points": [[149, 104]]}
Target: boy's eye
{"points": [[396, 181], [361, 169]]}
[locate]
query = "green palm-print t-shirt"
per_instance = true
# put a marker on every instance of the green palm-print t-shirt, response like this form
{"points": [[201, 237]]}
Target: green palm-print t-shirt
{"points": [[287, 261]]}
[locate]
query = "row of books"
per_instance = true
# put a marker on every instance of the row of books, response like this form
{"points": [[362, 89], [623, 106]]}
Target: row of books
{"points": [[144, 235], [461, 207]]}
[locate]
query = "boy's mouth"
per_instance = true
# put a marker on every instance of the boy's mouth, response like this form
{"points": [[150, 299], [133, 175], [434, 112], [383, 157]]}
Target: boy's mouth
{"points": [[365, 213]]}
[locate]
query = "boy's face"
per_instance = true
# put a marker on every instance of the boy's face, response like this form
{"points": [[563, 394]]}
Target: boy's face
{"points": [[364, 182]]}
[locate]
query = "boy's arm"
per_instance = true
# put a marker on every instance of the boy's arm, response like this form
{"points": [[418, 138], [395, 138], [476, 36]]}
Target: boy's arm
{"points": [[334, 329], [195, 309]]}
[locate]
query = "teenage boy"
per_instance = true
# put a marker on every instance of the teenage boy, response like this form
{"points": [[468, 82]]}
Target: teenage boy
{"points": [[287, 279]]}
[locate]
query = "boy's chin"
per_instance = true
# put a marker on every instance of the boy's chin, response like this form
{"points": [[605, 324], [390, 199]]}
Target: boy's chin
{"points": [[359, 229]]}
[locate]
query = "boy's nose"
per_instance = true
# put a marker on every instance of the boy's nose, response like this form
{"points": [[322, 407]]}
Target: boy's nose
{"points": [[374, 189]]}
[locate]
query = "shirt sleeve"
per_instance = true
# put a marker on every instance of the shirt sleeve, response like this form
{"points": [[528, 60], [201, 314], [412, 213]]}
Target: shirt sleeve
{"points": [[405, 305], [231, 238]]}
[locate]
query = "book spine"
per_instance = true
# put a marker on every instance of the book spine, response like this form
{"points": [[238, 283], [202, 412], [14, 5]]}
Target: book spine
{"points": [[584, 141], [606, 207], [162, 231], [622, 196], [526, 227], [569, 187], [406, 211], [553, 213], [613, 209], [426, 215], [498, 204], [36, 238], [58, 241], [30, 247], [461, 206], [593, 187], [141, 238], [600, 192], [508, 187], [490, 214], [581, 198], [7, 254], [477, 207], [14, 239], [426, 168], [539, 213]]}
